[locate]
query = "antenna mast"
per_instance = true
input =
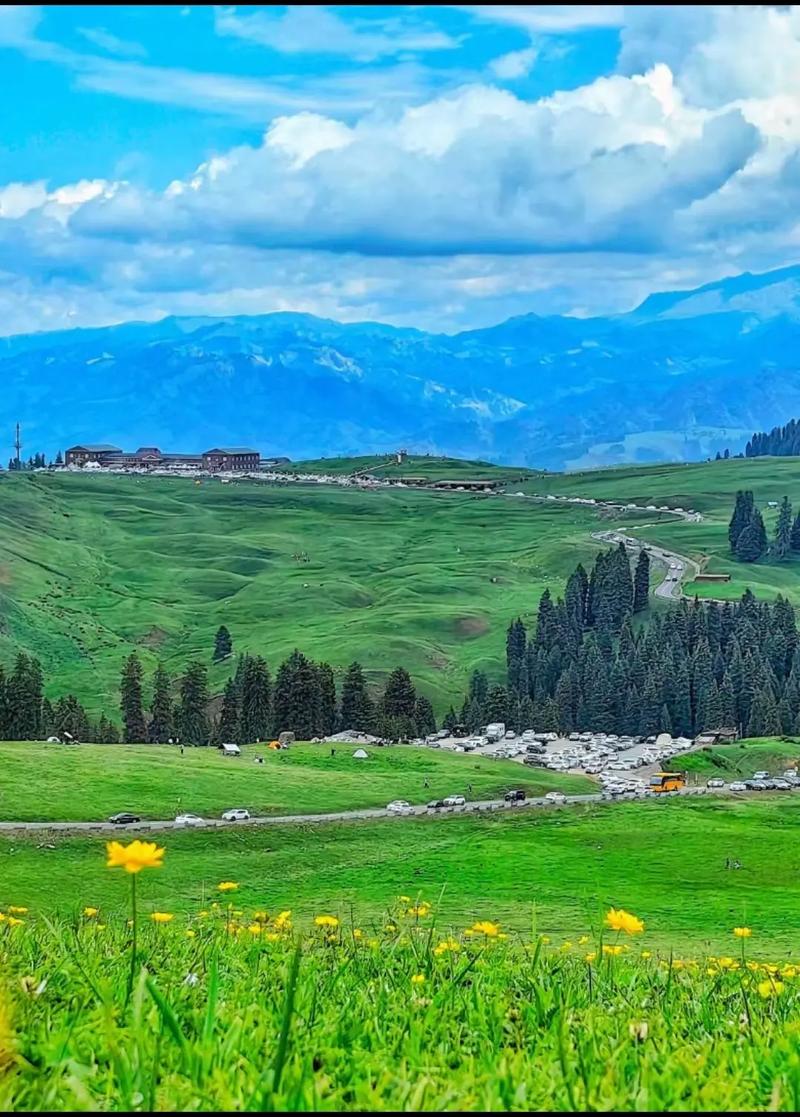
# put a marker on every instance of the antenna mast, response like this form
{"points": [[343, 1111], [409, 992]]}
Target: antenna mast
{"points": [[17, 445]]}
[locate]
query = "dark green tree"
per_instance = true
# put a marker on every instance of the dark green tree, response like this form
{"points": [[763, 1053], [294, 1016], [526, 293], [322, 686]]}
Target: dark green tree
{"points": [[192, 714], [327, 700], [161, 717], [641, 582], [223, 645], [296, 697], [255, 700], [424, 716], [742, 515], [782, 546], [228, 728], [752, 542], [399, 697], [357, 712]]}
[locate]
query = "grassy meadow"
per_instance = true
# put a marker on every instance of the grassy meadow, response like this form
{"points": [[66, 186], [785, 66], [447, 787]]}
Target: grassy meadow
{"points": [[231, 1010], [93, 567], [416, 465], [706, 487], [90, 782], [740, 761]]}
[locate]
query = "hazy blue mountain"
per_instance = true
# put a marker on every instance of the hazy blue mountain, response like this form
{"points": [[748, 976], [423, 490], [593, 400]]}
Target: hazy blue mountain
{"points": [[683, 375]]}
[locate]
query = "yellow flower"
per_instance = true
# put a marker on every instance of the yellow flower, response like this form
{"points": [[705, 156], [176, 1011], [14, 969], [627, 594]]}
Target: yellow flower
{"points": [[447, 946], [227, 886], [405, 899], [272, 936], [770, 988], [614, 950], [14, 922], [646, 954], [620, 920], [203, 914], [418, 979], [255, 928], [422, 909], [162, 917], [566, 945], [283, 921], [134, 857], [90, 913], [100, 926], [261, 916], [17, 911], [390, 927], [190, 934], [590, 957], [484, 927], [742, 932], [727, 963], [2, 916], [326, 921], [358, 933]]}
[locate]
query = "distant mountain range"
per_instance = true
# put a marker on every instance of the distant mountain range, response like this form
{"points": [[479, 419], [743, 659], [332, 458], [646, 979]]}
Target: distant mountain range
{"points": [[683, 375]]}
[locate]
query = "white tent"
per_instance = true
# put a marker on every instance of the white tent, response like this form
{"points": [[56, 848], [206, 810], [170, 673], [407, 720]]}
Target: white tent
{"points": [[230, 749], [360, 754]]}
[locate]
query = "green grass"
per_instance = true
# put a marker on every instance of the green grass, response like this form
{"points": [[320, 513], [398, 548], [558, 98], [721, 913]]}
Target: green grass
{"points": [[92, 568], [706, 487], [664, 861], [233, 1020], [767, 754], [90, 782], [415, 465]]}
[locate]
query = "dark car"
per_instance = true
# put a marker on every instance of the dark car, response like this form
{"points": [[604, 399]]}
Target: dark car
{"points": [[434, 803], [516, 796], [124, 817]]}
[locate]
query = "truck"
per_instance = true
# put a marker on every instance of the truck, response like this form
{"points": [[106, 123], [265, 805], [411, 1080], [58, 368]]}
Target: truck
{"points": [[495, 732]]}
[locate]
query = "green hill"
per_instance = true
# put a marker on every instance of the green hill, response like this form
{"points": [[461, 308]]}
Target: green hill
{"points": [[415, 465], [706, 487], [92, 567]]}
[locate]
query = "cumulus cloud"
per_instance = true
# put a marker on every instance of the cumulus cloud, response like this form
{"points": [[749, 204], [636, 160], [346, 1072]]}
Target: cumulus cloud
{"points": [[515, 64]]}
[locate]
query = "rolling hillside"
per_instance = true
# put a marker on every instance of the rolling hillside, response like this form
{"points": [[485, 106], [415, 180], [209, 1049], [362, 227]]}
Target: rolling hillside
{"points": [[92, 567]]}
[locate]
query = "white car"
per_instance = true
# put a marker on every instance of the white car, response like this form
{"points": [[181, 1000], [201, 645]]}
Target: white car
{"points": [[189, 820], [715, 782], [236, 814], [761, 775], [555, 797], [455, 801], [399, 806], [737, 785]]}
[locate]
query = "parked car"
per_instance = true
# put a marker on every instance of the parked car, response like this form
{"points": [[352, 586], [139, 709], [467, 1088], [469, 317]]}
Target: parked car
{"points": [[236, 814], [510, 734], [737, 785], [399, 806], [189, 820], [760, 775], [435, 804], [555, 797], [755, 785], [781, 785], [124, 818], [715, 782], [515, 796], [455, 801]]}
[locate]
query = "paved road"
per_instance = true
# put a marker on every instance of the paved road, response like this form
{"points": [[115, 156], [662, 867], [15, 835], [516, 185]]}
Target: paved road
{"points": [[676, 565], [478, 807]]}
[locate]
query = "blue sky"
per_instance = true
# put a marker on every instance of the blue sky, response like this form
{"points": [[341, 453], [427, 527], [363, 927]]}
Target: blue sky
{"points": [[439, 166]]}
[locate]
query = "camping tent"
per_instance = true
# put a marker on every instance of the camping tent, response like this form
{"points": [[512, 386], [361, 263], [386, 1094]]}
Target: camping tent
{"points": [[359, 754], [230, 749]]}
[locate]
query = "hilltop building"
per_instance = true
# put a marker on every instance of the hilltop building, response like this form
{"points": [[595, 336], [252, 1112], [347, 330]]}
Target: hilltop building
{"points": [[216, 460]]}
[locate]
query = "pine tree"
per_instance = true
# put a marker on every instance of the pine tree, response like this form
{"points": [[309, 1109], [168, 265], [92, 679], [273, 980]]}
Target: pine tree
{"points": [[357, 714], [424, 716], [327, 700], [783, 531], [161, 726], [192, 714], [228, 727], [296, 697], [60, 461], [641, 582], [24, 699], [450, 720], [516, 644], [255, 700], [134, 727], [795, 538], [742, 515], [399, 697], [497, 705], [752, 542], [107, 732], [223, 645]]}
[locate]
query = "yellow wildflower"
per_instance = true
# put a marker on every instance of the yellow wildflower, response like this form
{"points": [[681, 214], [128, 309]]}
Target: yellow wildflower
{"points": [[358, 933], [100, 926], [770, 988], [162, 917], [582, 941], [203, 914], [90, 913], [283, 921], [190, 934], [566, 945], [255, 928], [14, 922], [742, 932], [261, 916], [727, 963], [418, 979], [134, 857], [272, 936], [484, 927], [647, 954], [591, 956], [619, 920], [614, 950], [391, 928], [227, 886], [326, 921], [17, 911], [447, 946], [405, 899]]}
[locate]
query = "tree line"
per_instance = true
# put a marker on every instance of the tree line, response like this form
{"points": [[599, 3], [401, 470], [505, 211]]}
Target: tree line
{"points": [[302, 698], [780, 442], [698, 666], [26, 715], [36, 461], [747, 535]]}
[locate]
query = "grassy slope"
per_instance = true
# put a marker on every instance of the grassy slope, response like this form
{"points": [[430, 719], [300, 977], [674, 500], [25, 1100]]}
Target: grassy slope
{"points": [[414, 466], [664, 861], [707, 487], [92, 567], [90, 782], [768, 754]]}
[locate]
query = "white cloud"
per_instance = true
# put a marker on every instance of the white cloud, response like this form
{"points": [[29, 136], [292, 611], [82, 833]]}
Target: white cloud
{"points": [[515, 64], [315, 29], [550, 17], [103, 39]]}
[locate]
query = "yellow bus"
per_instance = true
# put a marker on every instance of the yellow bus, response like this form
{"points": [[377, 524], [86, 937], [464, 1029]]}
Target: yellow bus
{"points": [[667, 781]]}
